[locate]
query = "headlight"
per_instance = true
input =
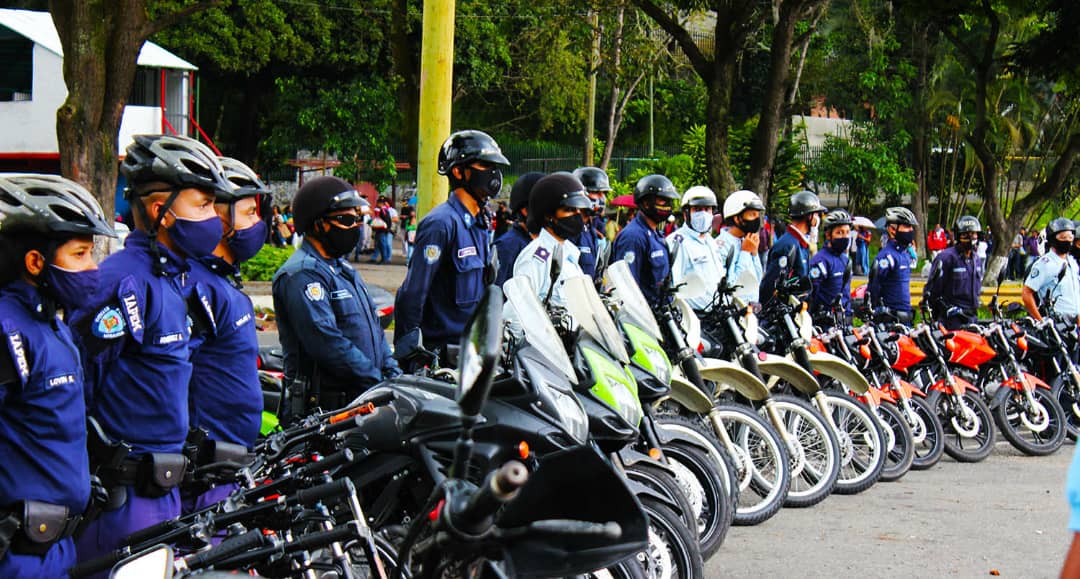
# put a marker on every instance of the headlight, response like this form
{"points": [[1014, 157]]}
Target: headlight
{"points": [[571, 412], [661, 366]]}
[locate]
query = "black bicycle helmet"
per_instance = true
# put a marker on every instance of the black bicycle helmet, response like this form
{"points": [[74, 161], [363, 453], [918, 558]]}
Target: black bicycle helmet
{"points": [[244, 178], [1058, 225], [177, 161], [323, 195], [519, 193], [467, 147], [51, 205], [900, 216], [968, 224], [593, 178], [654, 186], [804, 203], [557, 190]]}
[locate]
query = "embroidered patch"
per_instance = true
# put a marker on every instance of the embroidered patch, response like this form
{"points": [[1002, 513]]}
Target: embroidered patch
{"points": [[883, 263], [61, 380], [131, 306], [657, 253], [315, 292], [19, 355], [783, 261], [585, 249], [542, 253], [1034, 272], [629, 257], [466, 251], [815, 272], [243, 320], [168, 338], [108, 324], [340, 295], [432, 253]]}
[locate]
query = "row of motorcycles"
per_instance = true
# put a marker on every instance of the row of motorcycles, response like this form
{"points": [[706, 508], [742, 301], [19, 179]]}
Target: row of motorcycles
{"points": [[604, 437]]}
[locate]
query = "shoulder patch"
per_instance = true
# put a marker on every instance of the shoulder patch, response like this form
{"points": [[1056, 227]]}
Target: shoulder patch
{"points": [[1034, 271], [108, 323], [816, 271], [315, 292], [541, 253], [629, 257], [18, 353], [432, 253], [783, 261]]}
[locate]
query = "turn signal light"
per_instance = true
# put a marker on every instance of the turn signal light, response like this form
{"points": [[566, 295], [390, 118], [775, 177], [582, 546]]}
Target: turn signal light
{"points": [[654, 453], [523, 449], [1022, 343], [865, 351]]}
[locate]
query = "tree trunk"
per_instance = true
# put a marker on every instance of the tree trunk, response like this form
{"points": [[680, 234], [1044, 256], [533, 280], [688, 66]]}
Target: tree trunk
{"points": [[403, 49], [717, 119]]}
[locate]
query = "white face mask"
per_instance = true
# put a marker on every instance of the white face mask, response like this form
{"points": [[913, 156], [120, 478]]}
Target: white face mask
{"points": [[701, 221]]}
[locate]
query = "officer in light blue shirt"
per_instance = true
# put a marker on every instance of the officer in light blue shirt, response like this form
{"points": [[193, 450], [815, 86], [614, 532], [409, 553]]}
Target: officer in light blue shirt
{"points": [[1054, 277], [693, 248], [738, 244]]}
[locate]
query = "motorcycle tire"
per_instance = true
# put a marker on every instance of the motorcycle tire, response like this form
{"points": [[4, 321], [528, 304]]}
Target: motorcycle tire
{"points": [[1068, 396], [763, 468], [815, 469], [901, 454], [968, 439], [928, 434], [862, 448], [629, 569], [660, 479], [1039, 436], [713, 507], [673, 551], [695, 427]]}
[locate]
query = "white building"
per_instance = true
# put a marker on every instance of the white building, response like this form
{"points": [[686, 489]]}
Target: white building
{"points": [[32, 88]]}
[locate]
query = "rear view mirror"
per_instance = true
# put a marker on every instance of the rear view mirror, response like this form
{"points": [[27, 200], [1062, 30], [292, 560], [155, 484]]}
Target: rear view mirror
{"points": [[155, 563], [480, 349]]}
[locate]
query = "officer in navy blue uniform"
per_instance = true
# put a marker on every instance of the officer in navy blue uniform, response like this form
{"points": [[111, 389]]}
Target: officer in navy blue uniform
{"points": [[446, 275], [510, 244], [47, 228], [830, 269], [334, 346], [889, 288], [138, 333], [591, 241], [955, 280], [639, 244], [790, 255]]}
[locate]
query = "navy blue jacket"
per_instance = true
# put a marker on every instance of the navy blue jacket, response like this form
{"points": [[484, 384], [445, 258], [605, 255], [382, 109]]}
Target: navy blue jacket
{"points": [[788, 258], [955, 280], [507, 247], [445, 280], [138, 385], [42, 412], [586, 244], [326, 317], [890, 278], [829, 277], [642, 248], [226, 397]]}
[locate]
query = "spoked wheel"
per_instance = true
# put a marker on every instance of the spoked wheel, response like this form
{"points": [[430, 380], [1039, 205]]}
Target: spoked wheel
{"points": [[928, 434], [815, 462], [862, 448], [697, 428], [1067, 393], [701, 476], [900, 454], [1035, 429], [672, 552], [763, 469], [969, 429]]}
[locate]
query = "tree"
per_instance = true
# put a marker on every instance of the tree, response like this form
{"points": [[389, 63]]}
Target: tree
{"points": [[101, 40], [863, 164]]}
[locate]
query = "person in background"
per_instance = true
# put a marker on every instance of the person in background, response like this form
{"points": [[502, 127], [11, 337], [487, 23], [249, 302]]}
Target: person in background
{"points": [[1017, 255], [509, 246], [381, 222], [408, 228], [936, 241], [1032, 248], [592, 242]]}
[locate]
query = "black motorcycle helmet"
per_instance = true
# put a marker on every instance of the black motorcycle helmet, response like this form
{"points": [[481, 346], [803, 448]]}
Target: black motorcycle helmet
{"points": [[804, 203], [322, 195], [557, 190], [593, 178], [519, 193], [654, 186], [467, 147], [967, 224], [835, 218]]}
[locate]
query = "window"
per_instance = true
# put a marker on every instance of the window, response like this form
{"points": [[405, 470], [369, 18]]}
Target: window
{"points": [[147, 88], [17, 73]]}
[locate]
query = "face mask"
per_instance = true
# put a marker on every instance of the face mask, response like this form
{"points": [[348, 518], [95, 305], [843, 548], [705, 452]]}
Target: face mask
{"points": [[69, 288], [655, 213], [569, 226], [338, 242], [484, 184], [904, 238], [752, 226], [1061, 247], [839, 246], [245, 243], [701, 221], [813, 235], [196, 238]]}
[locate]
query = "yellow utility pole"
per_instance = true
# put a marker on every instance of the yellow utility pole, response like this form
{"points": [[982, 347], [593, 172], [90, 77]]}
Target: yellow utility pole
{"points": [[436, 85]]}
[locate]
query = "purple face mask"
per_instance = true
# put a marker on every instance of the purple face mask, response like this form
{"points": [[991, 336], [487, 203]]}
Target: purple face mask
{"points": [[196, 238], [245, 243], [70, 288]]}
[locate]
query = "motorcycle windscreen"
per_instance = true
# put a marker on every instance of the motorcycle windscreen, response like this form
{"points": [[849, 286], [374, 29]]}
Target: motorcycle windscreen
{"points": [[620, 282], [576, 484], [592, 317], [536, 325]]}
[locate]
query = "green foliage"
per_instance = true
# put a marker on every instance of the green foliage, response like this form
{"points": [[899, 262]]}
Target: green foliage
{"points": [[864, 165], [679, 168], [265, 263]]}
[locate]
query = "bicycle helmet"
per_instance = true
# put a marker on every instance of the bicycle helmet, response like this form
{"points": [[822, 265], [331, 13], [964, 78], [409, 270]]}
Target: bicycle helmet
{"points": [[835, 218], [50, 205], [177, 161], [245, 180], [900, 216]]}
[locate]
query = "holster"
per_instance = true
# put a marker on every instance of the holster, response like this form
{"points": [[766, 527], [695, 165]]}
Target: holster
{"points": [[42, 524], [158, 473]]}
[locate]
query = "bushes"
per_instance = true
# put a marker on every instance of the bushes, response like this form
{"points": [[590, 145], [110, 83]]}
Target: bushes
{"points": [[265, 263]]}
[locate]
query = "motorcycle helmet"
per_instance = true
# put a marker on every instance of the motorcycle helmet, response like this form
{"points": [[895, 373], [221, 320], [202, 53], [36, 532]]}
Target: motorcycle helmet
{"points": [[593, 178], [968, 224], [557, 190], [804, 203], [740, 201]]}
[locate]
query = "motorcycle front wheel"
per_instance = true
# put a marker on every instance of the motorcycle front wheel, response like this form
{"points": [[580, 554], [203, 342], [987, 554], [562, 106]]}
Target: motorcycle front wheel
{"points": [[901, 454], [928, 433], [969, 436], [862, 448], [673, 552], [1067, 393], [816, 466], [761, 460], [712, 505], [1035, 430]]}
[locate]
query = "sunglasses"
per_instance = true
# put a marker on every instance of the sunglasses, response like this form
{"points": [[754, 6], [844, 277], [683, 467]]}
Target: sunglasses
{"points": [[345, 220]]}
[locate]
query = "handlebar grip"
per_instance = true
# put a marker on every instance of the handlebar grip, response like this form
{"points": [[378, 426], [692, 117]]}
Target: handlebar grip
{"points": [[330, 462], [344, 425], [229, 547], [377, 432], [153, 531], [344, 533], [609, 530], [499, 487], [103, 563], [892, 338], [313, 495]]}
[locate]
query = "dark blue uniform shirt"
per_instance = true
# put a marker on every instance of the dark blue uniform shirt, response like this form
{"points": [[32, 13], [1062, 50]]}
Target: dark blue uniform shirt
{"points": [[226, 397], [890, 278], [507, 247], [642, 248], [829, 278], [327, 318], [42, 412], [445, 280], [138, 387], [788, 258], [955, 280], [586, 244]]}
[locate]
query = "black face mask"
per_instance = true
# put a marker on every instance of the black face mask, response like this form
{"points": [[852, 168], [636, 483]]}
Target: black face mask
{"points": [[338, 242], [751, 226], [1061, 247], [904, 238], [483, 184], [657, 214], [569, 226]]}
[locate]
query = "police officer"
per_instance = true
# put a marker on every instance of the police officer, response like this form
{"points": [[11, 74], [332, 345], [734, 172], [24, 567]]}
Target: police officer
{"points": [[137, 334], [1054, 277], [738, 244], [639, 244], [955, 279], [790, 255], [592, 242], [225, 395], [446, 274], [555, 207], [47, 229], [509, 245], [889, 287], [830, 269], [330, 333], [693, 246]]}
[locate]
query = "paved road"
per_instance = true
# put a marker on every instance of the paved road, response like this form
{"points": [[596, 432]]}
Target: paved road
{"points": [[1007, 513]]}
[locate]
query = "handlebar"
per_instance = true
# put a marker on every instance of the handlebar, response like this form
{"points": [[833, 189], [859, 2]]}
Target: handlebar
{"points": [[228, 548], [311, 541], [498, 488]]}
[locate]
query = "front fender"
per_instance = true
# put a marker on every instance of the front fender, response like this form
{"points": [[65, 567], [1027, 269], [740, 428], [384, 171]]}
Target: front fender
{"points": [[1036, 381], [910, 389], [787, 370], [689, 396], [962, 385], [733, 375], [835, 367]]}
